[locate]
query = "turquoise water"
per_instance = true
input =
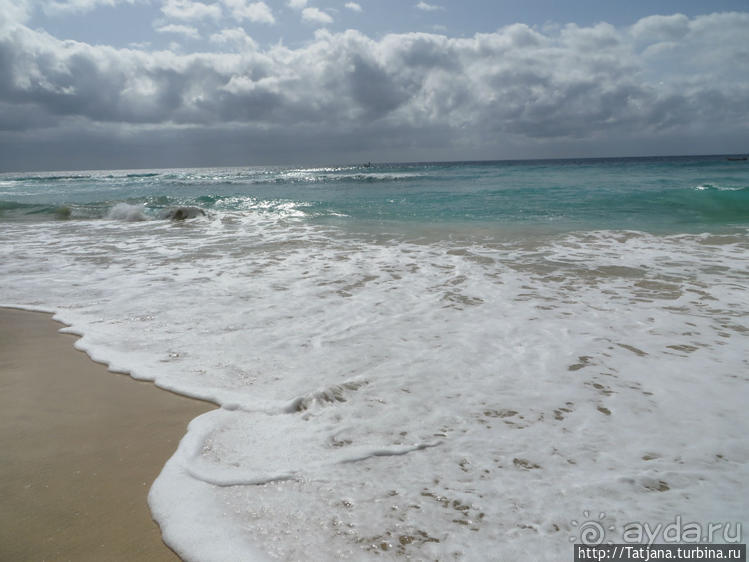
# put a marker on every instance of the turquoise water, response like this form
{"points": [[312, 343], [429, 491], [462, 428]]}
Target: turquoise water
{"points": [[665, 194], [403, 367]]}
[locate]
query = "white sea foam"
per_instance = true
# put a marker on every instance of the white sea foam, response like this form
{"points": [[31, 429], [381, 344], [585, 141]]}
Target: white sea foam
{"points": [[710, 186], [450, 399], [126, 212]]}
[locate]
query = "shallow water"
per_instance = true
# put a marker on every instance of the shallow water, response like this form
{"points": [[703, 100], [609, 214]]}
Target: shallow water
{"points": [[463, 371]]}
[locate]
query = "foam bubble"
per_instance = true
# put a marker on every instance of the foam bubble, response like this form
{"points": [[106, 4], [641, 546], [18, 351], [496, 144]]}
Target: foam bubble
{"points": [[434, 399], [126, 212]]}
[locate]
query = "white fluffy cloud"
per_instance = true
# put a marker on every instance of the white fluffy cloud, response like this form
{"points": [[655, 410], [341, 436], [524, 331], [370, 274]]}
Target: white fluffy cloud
{"points": [[315, 15], [297, 4], [189, 10], [14, 12], [55, 7], [258, 12], [428, 7], [186, 30], [353, 6], [235, 37], [664, 77], [664, 28]]}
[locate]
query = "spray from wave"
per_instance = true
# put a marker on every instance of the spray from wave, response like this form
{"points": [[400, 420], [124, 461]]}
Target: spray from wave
{"points": [[126, 212]]}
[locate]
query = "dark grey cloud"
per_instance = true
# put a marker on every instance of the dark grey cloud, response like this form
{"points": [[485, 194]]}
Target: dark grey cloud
{"points": [[519, 88], [373, 89]]}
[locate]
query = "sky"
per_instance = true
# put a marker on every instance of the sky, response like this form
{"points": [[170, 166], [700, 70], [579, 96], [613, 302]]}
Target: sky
{"points": [[92, 84]]}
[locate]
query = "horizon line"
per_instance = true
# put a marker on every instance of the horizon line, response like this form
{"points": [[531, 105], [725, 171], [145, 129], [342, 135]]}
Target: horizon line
{"points": [[383, 163]]}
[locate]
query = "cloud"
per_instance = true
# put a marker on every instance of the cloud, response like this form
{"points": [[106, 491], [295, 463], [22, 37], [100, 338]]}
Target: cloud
{"points": [[13, 12], [662, 28], [428, 7], [186, 30], [257, 12], [353, 6], [80, 6], [236, 37], [594, 86], [314, 15], [297, 4], [189, 10]]}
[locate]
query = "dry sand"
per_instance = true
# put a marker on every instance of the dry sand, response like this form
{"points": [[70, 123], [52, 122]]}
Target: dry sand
{"points": [[79, 449]]}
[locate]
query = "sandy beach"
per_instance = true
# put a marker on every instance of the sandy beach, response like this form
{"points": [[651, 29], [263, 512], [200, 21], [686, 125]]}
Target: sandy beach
{"points": [[79, 449]]}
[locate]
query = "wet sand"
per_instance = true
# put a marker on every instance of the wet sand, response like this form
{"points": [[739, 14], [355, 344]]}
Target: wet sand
{"points": [[79, 449]]}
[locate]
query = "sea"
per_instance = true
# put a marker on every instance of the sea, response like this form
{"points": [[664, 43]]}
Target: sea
{"points": [[423, 361]]}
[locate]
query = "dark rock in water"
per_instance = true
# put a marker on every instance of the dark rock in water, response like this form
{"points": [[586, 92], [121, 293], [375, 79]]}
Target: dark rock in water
{"points": [[182, 213], [63, 212]]}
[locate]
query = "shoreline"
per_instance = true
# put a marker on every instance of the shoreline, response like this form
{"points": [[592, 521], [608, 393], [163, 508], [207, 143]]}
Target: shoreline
{"points": [[81, 447]]}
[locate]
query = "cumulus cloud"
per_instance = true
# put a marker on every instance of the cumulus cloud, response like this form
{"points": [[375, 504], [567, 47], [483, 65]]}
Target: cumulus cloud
{"points": [[235, 37], [315, 15], [258, 12], [186, 30], [518, 85], [428, 7], [297, 4], [353, 6], [189, 10], [14, 11], [662, 28], [79, 6]]}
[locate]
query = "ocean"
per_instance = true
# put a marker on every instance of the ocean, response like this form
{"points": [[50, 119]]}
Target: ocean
{"points": [[427, 361]]}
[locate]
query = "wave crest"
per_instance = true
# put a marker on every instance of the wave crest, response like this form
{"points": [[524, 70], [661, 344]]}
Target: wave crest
{"points": [[126, 212]]}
